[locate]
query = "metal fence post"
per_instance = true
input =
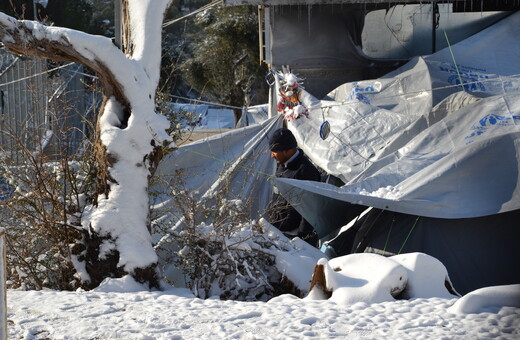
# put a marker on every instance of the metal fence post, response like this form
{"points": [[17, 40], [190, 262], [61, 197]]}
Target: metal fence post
{"points": [[3, 295]]}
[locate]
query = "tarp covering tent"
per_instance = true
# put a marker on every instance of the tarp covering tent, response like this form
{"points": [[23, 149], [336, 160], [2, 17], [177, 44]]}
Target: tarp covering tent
{"points": [[439, 161], [396, 150], [414, 143], [464, 166]]}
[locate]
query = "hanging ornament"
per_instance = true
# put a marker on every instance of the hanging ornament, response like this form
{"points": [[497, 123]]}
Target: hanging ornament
{"points": [[289, 104]]}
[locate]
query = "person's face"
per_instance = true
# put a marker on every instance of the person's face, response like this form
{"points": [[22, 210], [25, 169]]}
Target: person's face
{"points": [[282, 156]]}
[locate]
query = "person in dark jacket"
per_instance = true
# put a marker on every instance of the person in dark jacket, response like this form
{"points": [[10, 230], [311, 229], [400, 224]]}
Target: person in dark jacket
{"points": [[291, 163]]}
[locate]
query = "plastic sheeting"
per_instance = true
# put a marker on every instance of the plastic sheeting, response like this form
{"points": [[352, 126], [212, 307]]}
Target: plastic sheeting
{"points": [[411, 142], [237, 164], [416, 141], [254, 115]]}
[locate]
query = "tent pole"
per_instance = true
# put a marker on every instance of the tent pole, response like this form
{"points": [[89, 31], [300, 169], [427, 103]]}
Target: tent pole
{"points": [[435, 15]]}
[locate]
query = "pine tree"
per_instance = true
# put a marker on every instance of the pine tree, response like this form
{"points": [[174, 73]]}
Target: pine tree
{"points": [[224, 64]]}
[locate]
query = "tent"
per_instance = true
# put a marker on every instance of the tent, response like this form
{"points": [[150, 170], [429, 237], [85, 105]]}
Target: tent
{"points": [[478, 252], [418, 146], [432, 147]]}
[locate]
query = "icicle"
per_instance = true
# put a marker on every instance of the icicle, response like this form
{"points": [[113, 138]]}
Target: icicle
{"points": [[309, 12]]}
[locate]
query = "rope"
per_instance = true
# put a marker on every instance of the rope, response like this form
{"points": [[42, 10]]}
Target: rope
{"points": [[206, 102], [9, 66], [35, 75], [389, 232], [454, 62], [203, 8], [409, 233]]}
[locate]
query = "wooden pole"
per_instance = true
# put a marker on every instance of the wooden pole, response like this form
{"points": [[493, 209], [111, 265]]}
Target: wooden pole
{"points": [[118, 9]]}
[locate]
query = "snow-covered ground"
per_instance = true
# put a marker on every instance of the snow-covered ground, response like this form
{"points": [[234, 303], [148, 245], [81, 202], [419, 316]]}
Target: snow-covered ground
{"points": [[122, 309], [360, 296], [175, 314]]}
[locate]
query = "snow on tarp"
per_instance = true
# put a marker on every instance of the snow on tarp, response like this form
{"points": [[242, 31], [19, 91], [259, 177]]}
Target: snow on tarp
{"points": [[481, 299], [397, 150]]}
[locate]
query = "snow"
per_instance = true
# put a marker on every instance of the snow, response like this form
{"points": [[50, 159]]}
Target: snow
{"points": [[388, 192], [122, 219], [124, 309], [488, 296], [426, 275], [368, 278], [364, 305], [298, 265], [364, 286]]}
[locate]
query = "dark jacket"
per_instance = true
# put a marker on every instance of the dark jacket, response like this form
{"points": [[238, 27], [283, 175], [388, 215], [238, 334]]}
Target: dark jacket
{"points": [[281, 214]]}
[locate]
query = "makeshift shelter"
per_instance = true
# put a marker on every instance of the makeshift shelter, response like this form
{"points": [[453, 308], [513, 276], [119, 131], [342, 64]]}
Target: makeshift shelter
{"points": [[237, 161], [433, 147], [416, 143], [478, 252]]}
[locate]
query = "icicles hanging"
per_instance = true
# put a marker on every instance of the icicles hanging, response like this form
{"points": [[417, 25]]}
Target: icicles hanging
{"points": [[309, 13]]}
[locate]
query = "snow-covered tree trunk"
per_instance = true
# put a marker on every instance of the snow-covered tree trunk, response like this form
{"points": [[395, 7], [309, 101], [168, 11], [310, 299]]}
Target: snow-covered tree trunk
{"points": [[117, 240]]}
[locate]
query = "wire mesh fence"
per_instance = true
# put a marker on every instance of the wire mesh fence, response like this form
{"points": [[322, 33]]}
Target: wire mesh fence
{"points": [[44, 107]]}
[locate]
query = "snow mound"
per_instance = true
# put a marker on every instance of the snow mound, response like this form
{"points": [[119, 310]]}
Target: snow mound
{"points": [[496, 296], [427, 276], [372, 278], [365, 277], [297, 265], [126, 284], [297, 262]]}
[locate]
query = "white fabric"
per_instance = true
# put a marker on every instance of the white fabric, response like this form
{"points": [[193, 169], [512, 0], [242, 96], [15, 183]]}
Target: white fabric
{"points": [[239, 160], [415, 142]]}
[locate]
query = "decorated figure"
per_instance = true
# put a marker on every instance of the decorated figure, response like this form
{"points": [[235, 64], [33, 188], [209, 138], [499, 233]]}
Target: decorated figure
{"points": [[290, 92]]}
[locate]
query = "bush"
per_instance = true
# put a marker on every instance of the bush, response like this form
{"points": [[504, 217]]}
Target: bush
{"points": [[219, 251], [41, 214]]}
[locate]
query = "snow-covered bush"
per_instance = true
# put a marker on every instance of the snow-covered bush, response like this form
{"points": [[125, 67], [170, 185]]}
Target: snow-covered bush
{"points": [[216, 248], [227, 261]]}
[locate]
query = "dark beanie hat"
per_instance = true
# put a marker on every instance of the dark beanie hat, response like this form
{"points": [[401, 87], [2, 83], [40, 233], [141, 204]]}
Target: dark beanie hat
{"points": [[282, 139]]}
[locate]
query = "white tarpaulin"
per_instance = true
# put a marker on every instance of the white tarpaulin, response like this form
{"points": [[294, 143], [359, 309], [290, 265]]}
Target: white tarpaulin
{"points": [[237, 163], [417, 142]]}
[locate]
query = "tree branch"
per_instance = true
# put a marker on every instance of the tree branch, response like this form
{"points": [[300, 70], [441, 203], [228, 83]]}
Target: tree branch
{"points": [[59, 44]]}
